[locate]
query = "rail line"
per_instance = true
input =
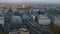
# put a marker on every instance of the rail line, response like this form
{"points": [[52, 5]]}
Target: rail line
{"points": [[31, 27], [35, 27]]}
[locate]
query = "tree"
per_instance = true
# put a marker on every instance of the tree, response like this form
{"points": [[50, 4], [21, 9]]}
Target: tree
{"points": [[1, 29]]}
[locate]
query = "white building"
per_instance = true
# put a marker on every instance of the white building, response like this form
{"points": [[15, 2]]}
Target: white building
{"points": [[16, 19], [42, 19], [57, 21], [2, 20], [32, 16], [35, 11]]}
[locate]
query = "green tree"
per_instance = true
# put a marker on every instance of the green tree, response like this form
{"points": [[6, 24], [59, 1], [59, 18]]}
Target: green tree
{"points": [[1, 29]]}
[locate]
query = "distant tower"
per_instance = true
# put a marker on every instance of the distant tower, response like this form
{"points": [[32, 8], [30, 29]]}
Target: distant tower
{"points": [[23, 6]]}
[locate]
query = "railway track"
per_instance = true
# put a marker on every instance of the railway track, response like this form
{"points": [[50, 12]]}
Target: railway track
{"points": [[31, 27], [35, 27], [40, 27]]}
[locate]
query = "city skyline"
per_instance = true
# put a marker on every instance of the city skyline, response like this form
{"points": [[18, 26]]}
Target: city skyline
{"points": [[30, 1]]}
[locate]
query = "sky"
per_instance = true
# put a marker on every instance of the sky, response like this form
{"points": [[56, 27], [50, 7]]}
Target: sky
{"points": [[29, 1]]}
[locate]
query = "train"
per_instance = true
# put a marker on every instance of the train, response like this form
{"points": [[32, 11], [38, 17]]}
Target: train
{"points": [[25, 16]]}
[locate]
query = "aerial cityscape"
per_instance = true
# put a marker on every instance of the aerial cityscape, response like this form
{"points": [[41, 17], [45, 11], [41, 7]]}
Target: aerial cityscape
{"points": [[29, 17]]}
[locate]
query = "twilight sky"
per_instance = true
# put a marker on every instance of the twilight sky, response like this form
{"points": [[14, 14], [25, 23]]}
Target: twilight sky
{"points": [[28, 1]]}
